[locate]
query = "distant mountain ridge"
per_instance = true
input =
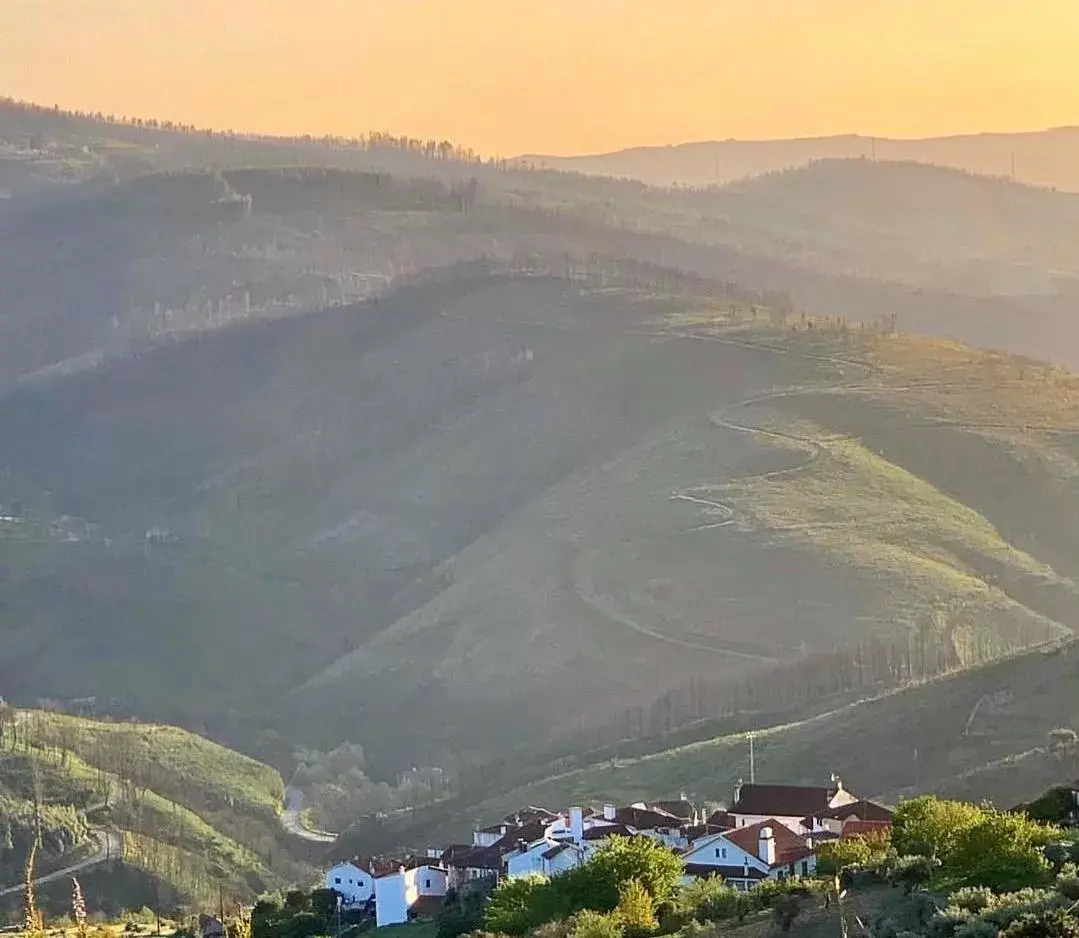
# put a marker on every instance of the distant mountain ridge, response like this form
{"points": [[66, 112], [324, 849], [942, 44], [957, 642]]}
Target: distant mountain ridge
{"points": [[1045, 158]]}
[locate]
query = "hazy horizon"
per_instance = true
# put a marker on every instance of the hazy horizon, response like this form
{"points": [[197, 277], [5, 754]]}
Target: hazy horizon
{"points": [[491, 77]]}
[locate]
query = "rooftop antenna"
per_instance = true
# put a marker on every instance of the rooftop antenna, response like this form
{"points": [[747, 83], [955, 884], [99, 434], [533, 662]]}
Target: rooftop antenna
{"points": [[752, 762]]}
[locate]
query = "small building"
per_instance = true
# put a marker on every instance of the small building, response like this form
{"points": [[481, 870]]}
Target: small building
{"points": [[746, 856], [353, 881], [790, 805], [398, 892]]}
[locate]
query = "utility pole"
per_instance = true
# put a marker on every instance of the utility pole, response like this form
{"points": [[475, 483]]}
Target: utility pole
{"points": [[1013, 165], [752, 762], [873, 149]]}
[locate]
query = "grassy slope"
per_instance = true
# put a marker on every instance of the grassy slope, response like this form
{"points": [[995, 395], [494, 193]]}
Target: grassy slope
{"points": [[969, 422], [189, 812]]}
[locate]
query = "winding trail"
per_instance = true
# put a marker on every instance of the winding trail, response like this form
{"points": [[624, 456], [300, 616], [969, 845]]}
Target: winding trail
{"points": [[109, 845], [292, 819]]}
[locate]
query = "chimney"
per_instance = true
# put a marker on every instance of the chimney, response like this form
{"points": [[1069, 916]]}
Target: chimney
{"points": [[610, 812], [766, 846], [576, 824], [737, 793]]}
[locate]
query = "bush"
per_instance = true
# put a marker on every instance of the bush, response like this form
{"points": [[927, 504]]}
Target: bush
{"points": [[863, 852], [708, 900], [973, 899], [786, 909], [591, 924], [636, 910]]}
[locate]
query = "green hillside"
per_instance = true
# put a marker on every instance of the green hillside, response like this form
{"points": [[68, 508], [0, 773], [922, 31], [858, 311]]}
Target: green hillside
{"points": [[941, 477], [175, 815]]}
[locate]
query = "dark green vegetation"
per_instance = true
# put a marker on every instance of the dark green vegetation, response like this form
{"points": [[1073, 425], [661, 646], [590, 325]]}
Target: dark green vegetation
{"points": [[168, 818]]}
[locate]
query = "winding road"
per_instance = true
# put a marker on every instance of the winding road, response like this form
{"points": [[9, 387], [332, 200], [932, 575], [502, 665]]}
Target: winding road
{"points": [[292, 819], [109, 845]]}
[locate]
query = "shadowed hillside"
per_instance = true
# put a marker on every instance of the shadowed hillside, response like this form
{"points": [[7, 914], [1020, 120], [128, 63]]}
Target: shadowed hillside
{"points": [[506, 497]]}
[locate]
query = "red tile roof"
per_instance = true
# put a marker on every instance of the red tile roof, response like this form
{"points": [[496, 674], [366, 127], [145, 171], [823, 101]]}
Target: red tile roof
{"points": [[858, 828], [681, 809], [789, 846], [645, 819], [722, 819], [783, 800], [696, 831]]}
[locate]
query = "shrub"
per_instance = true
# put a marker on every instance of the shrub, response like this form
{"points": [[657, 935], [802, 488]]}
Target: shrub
{"points": [[708, 900], [636, 910], [591, 924], [786, 909]]}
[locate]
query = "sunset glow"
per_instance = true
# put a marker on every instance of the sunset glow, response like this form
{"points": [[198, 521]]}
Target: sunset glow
{"points": [[556, 75]]}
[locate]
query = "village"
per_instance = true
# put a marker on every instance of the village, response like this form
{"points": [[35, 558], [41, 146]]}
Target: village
{"points": [[769, 832]]}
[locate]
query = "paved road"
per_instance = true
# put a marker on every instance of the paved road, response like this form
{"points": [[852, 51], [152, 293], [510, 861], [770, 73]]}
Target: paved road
{"points": [[292, 819], [108, 844]]}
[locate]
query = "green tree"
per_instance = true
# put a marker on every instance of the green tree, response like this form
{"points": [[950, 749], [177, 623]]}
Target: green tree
{"points": [[596, 885], [517, 905], [861, 852], [931, 824], [1002, 851]]}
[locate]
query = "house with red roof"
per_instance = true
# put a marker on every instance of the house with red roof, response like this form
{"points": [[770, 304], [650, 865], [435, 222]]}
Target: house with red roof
{"points": [[746, 856], [791, 805]]}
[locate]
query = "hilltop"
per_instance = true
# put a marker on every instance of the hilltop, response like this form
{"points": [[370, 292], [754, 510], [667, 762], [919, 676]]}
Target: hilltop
{"points": [[149, 814], [1044, 158], [156, 230]]}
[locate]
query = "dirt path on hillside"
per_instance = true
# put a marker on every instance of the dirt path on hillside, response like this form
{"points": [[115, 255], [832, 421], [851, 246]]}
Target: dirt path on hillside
{"points": [[292, 819], [109, 845]]}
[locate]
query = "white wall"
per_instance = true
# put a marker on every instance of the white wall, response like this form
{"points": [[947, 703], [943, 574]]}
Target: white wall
{"points": [[431, 881], [355, 885], [391, 899], [791, 823], [530, 862], [717, 851]]}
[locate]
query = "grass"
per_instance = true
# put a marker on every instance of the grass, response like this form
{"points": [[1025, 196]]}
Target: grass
{"points": [[192, 769], [166, 792]]}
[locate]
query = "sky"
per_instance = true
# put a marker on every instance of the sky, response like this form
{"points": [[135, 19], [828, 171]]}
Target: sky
{"points": [[555, 76]]}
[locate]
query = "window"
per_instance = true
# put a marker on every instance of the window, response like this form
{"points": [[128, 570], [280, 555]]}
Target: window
{"points": [[724, 853], [337, 880], [805, 867], [427, 884]]}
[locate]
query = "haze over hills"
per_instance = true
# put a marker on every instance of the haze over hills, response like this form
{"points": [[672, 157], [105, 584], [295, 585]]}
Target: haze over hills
{"points": [[1042, 158], [317, 440]]}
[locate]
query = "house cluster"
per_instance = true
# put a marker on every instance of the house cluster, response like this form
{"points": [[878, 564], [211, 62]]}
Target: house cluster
{"points": [[768, 832]]}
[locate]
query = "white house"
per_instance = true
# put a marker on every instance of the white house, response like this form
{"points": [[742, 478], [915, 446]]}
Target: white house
{"points": [[397, 893], [790, 805], [355, 884], [747, 855]]}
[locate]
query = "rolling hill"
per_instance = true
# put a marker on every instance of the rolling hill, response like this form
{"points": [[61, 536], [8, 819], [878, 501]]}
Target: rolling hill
{"points": [[322, 441], [159, 816], [1044, 158], [506, 497]]}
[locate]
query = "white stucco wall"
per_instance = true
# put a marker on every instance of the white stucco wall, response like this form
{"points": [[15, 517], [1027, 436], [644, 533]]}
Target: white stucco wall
{"points": [[391, 899], [355, 885]]}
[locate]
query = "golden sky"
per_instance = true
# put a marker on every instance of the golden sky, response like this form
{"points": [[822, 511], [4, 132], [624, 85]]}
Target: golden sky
{"points": [[569, 76]]}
